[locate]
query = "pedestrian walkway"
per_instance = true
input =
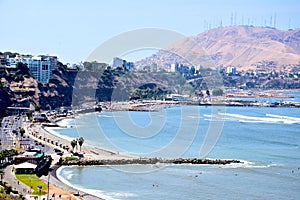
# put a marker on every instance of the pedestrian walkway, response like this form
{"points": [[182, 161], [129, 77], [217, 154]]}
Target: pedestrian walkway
{"points": [[11, 180]]}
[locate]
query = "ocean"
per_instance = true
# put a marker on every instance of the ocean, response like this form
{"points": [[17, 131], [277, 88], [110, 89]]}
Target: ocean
{"points": [[266, 139]]}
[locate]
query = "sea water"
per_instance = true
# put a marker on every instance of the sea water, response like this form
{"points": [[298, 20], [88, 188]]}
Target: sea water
{"points": [[267, 140]]}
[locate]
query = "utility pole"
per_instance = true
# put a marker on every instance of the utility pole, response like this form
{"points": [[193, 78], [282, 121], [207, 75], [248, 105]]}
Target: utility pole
{"points": [[48, 185], [274, 20]]}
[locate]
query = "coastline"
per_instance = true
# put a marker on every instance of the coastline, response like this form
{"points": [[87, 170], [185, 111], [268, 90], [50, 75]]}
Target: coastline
{"points": [[56, 181], [96, 156], [38, 133], [90, 153]]}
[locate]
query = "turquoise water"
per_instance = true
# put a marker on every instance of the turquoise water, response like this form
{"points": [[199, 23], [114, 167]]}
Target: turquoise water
{"points": [[267, 139]]}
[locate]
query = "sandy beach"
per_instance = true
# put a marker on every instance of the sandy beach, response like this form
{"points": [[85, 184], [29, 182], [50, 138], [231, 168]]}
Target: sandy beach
{"points": [[38, 133]]}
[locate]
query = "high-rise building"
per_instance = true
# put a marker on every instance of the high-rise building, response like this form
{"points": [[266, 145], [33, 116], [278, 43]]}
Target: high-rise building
{"points": [[40, 66], [118, 62]]}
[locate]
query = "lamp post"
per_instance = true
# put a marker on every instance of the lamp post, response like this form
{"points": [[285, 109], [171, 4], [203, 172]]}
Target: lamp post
{"points": [[48, 185], [40, 190]]}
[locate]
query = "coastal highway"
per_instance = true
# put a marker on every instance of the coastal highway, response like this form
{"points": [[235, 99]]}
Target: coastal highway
{"points": [[10, 132], [7, 141]]}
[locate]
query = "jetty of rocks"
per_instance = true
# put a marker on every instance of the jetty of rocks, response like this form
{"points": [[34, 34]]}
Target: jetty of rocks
{"points": [[148, 161]]}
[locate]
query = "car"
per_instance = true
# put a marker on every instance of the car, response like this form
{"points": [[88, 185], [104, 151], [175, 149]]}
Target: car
{"points": [[56, 150], [60, 153]]}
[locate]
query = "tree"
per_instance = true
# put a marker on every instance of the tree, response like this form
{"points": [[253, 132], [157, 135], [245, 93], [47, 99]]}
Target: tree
{"points": [[80, 142], [217, 92], [2, 175], [192, 70], [207, 93], [22, 131], [38, 107], [22, 69], [29, 115], [7, 155], [73, 144]]}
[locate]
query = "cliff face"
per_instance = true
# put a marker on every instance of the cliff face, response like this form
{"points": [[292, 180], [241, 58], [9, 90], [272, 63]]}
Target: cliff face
{"points": [[71, 87], [4, 101], [27, 91]]}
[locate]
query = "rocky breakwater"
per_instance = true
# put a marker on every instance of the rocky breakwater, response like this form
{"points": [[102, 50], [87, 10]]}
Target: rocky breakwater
{"points": [[145, 161]]}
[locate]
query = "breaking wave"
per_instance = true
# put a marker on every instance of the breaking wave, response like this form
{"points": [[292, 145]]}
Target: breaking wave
{"points": [[269, 118]]}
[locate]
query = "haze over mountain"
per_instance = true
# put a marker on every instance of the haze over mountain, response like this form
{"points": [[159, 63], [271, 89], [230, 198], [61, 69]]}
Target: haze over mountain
{"points": [[236, 46]]}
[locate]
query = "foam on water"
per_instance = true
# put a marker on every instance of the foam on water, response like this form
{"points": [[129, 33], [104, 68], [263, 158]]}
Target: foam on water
{"points": [[69, 174], [108, 195], [270, 118], [54, 131], [67, 122], [248, 164], [265, 141]]}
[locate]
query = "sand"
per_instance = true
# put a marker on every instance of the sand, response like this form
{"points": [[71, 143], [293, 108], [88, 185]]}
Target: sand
{"points": [[39, 134]]}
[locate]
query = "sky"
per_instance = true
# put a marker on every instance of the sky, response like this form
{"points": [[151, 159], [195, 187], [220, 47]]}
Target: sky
{"points": [[72, 29]]}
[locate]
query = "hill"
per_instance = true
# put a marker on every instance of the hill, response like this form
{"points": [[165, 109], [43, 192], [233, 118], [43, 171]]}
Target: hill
{"points": [[74, 88], [236, 46]]}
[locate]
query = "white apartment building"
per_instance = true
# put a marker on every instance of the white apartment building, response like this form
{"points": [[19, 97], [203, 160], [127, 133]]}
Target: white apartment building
{"points": [[118, 62], [40, 66], [231, 70]]}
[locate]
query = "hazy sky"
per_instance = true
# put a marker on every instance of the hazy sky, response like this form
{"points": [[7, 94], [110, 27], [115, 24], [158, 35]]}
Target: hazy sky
{"points": [[73, 29]]}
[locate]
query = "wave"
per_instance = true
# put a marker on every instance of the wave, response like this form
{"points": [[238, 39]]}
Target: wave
{"points": [[68, 174], [106, 116], [248, 164], [108, 195], [287, 119], [270, 118], [66, 122], [99, 193], [52, 130]]}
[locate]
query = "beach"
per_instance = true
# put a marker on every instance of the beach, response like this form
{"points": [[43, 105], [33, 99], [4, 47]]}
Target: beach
{"points": [[232, 144], [267, 141], [38, 133]]}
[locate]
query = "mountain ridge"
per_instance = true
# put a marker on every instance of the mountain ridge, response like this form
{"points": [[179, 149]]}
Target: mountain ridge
{"points": [[238, 46]]}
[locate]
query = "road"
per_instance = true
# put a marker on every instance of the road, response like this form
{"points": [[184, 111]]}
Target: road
{"points": [[10, 178], [8, 127], [10, 135]]}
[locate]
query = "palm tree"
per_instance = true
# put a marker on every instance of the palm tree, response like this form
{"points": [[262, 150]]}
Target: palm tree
{"points": [[73, 143], [1, 175], [1, 157], [80, 142], [22, 131]]}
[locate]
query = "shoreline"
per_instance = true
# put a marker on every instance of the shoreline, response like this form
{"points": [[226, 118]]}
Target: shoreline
{"points": [[38, 133], [55, 180], [91, 153], [94, 155]]}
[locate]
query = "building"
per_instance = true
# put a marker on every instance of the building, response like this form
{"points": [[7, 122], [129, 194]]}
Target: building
{"points": [[177, 97], [40, 66], [231, 70], [33, 156], [173, 67], [17, 110], [25, 168], [2, 60], [118, 62]]}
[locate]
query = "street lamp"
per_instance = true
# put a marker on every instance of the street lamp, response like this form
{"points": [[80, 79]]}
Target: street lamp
{"points": [[40, 190]]}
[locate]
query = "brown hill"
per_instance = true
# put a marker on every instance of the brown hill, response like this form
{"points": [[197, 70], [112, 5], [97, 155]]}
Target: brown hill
{"points": [[238, 46]]}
